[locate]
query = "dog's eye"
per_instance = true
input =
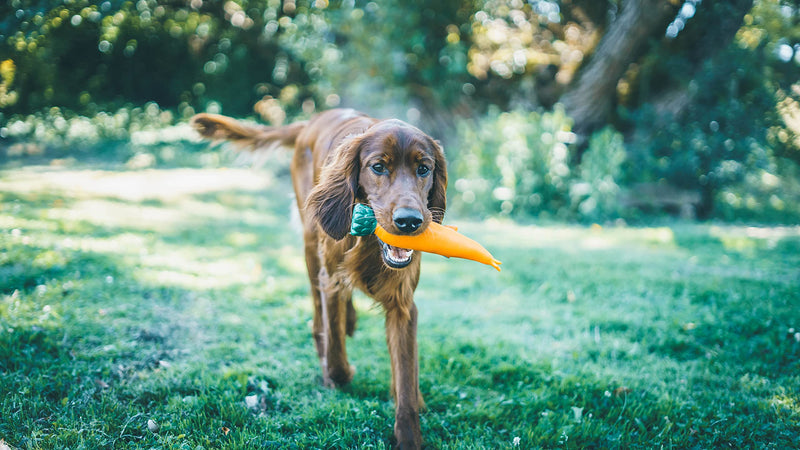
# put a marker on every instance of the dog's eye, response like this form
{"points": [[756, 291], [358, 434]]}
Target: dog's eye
{"points": [[423, 171], [379, 169]]}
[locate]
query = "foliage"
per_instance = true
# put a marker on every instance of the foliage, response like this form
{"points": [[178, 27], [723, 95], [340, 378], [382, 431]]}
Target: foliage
{"points": [[232, 54], [521, 163], [598, 192], [7, 71], [94, 71], [421, 51], [537, 46], [139, 137], [87, 56], [512, 161], [767, 195], [189, 307], [730, 136]]}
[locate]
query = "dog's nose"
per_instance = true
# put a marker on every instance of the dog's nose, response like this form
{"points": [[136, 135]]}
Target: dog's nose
{"points": [[407, 219]]}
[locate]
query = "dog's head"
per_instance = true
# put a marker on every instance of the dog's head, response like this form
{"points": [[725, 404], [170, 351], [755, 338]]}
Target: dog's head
{"points": [[393, 167]]}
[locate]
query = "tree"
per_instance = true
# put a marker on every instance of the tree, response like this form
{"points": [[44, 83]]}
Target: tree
{"points": [[591, 98], [587, 55]]}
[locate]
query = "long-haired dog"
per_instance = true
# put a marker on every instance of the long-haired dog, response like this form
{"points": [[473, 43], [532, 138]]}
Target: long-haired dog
{"points": [[342, 157]]}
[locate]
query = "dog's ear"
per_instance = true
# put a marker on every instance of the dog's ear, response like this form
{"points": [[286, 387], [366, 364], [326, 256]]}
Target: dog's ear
{"points": [[437, 197], [331, 201]]}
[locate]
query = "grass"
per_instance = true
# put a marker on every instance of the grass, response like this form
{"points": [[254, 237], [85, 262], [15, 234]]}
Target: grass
{"points": [[179, 297]]}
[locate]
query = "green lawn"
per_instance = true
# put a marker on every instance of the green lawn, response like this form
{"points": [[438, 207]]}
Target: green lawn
{"points": [[179, 296]]}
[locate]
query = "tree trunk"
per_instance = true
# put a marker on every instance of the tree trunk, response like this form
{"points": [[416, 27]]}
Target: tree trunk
{"points": [[591, 98]]}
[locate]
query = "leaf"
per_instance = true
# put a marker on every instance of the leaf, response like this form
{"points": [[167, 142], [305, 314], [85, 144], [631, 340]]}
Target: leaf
{"points": [[622, 390]]}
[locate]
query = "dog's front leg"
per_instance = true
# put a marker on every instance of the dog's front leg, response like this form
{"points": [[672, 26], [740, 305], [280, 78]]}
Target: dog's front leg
{"points": [[401, 337]]}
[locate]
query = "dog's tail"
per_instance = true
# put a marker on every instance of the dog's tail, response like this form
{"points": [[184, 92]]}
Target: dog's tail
{"points": [[246, 136]]}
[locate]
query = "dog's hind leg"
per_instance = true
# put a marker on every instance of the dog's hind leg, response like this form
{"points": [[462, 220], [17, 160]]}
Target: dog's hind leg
{"points": [[351, 318], [335, 297]]}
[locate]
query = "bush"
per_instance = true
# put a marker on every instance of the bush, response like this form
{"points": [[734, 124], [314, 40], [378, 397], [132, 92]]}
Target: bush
{"points": [[88, 56], [729, 143], [287, 58], [512, 162], [521, 163], [596, 193], [138, 137], [771, 195]]}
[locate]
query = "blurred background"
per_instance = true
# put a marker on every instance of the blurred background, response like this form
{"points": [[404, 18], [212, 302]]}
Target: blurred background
{"points": [[577, 110]]}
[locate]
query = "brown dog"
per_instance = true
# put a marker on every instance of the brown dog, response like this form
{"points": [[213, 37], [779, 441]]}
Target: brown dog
{"points": [[342, 157]]}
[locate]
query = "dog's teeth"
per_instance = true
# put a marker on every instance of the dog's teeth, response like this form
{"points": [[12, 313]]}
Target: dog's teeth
{"points": [[400, 255], [395, 256]]}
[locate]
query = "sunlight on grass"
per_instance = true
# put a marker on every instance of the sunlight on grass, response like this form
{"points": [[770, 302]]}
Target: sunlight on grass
{"points": [[124, 301], [210, 268], [744, 239], [115, 214], [597, 238], [133, 205], [134, 186], [660, 235], [786, 404]]}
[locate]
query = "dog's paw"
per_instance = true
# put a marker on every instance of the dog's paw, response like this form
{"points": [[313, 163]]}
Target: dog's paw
{"points": [[339, 377]]}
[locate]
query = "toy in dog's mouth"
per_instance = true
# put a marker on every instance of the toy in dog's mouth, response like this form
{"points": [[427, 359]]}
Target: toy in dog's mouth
{"points": [[395, 257], [440, 239], [364, 224]]}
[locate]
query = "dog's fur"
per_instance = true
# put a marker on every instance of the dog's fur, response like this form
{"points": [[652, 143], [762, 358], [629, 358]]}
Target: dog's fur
{"points": [[342, 157]]}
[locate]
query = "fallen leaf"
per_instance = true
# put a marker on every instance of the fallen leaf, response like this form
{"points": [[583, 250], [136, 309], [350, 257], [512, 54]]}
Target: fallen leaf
{"points": [[622, 390]]}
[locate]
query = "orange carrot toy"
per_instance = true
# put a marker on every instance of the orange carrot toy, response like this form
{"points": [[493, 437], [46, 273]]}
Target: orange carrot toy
{"points": [[440, 239]]}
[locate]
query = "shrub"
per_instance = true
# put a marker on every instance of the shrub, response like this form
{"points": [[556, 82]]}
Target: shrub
{"points": [[521, 163], [512, 162], [595, 194], [728, 139], [139, 137]]}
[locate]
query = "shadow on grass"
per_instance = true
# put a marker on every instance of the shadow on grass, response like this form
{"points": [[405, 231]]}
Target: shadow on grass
{"points": [[654, 343], [90, 350], [475, 387], [86, 346]]}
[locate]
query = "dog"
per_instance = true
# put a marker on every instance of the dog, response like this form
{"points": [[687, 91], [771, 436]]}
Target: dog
{"points": [[343, 157]]}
